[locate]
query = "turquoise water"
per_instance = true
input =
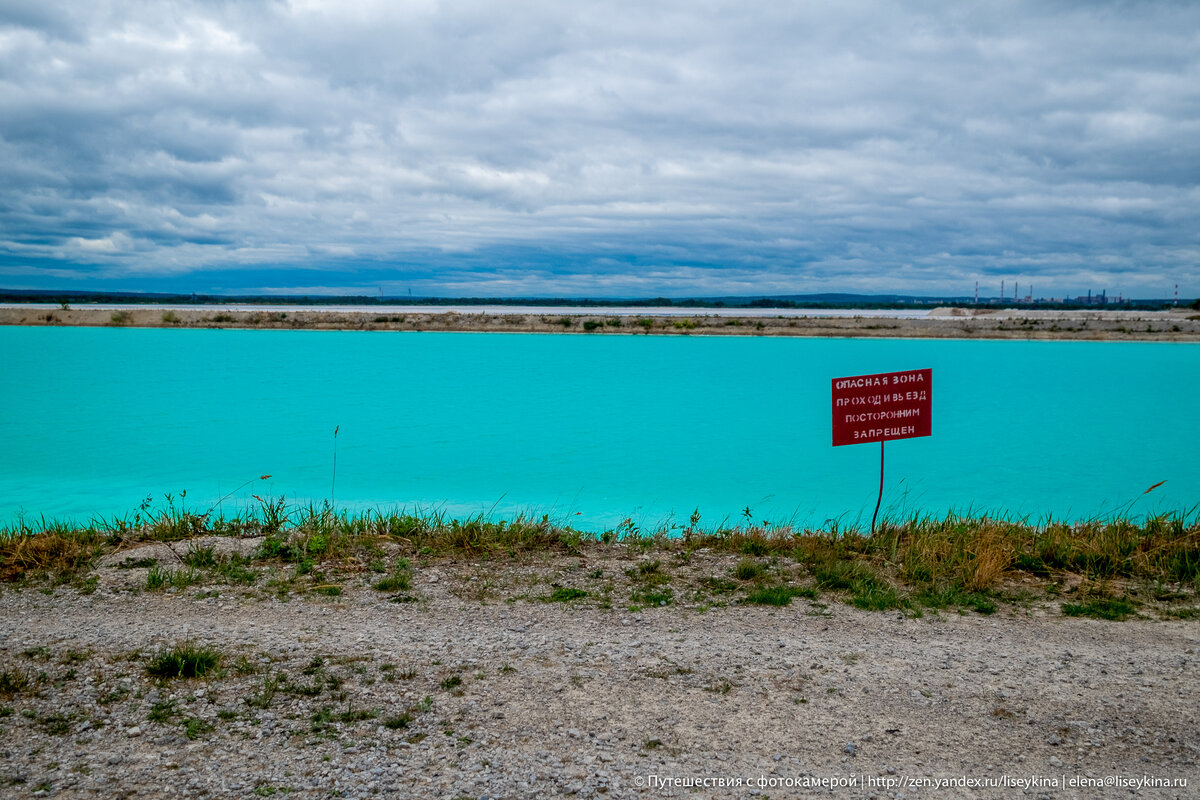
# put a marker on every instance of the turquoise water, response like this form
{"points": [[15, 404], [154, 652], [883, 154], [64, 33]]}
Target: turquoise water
{"points": [[588, 428]]}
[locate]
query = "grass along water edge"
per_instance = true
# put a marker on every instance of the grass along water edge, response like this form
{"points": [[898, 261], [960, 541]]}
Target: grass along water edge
{"points": [[1111, 569]]}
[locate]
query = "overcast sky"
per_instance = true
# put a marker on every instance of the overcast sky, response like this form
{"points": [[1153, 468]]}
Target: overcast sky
{"points": [[606, 148]]}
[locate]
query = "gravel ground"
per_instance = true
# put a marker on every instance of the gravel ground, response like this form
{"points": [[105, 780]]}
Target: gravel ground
{"points": [[358, 696]]}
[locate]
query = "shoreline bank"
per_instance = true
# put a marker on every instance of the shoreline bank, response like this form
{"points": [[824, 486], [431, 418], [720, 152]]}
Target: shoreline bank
{"points": [[948, 323], [1117, 568]]}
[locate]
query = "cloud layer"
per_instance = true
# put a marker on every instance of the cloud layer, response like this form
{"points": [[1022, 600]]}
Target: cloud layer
{"points": [[600, 148]]}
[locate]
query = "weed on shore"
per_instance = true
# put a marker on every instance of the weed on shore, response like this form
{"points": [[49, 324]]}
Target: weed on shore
{"points": [[184, 661], [400, 579], [1110, 608], [779, 595]]}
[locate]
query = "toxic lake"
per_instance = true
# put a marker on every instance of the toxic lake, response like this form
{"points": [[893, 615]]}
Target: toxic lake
{"points": [[588, 429]]}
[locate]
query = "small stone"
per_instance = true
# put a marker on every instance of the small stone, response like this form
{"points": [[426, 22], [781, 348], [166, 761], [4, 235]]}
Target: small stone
{"points": [[851, 748], [133, 732], [1055, 761]]}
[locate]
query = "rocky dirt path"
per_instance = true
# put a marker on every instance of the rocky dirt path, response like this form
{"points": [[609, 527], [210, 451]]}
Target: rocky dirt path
{"points": [[356, 696]]}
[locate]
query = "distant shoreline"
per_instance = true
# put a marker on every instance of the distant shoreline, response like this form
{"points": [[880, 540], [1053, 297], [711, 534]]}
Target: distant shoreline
{"points": [[1182, 325], [470, 309]]}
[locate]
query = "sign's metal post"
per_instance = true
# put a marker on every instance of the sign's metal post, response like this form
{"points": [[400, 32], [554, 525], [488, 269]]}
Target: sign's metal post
{"points": [[876, 408], [879, 499]]}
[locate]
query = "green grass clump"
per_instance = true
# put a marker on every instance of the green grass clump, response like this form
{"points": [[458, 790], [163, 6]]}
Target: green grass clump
{"points": [[184, 661], [244, 666], [1110, 608], [875, 594], [159, 578], [399, 581], [841, 575], [183, 578], [194, 727], [651, 596], [649, 574], [754, 546], [73, 656], [278, 546], [747, 570], [945, 597], [778, 595], [352, 715], [57, 724], [272, 682], [163, 711], [1183, 613], [868, 589], [236, 569], [398, 722], [200, 557]]}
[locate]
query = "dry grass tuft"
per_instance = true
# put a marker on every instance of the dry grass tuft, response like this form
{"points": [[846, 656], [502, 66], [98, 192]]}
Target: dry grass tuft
{"points": [[47, 553]]}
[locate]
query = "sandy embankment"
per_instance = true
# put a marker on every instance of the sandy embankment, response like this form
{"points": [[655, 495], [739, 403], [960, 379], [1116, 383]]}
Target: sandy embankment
{"points": [[1178, 325]]}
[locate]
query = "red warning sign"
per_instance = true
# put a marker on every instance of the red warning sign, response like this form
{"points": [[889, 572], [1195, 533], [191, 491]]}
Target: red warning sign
{"points": [[879, 408]]}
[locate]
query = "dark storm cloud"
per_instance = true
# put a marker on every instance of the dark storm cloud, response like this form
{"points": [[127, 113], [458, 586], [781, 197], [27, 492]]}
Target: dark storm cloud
{"points": [[482, 148]]}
